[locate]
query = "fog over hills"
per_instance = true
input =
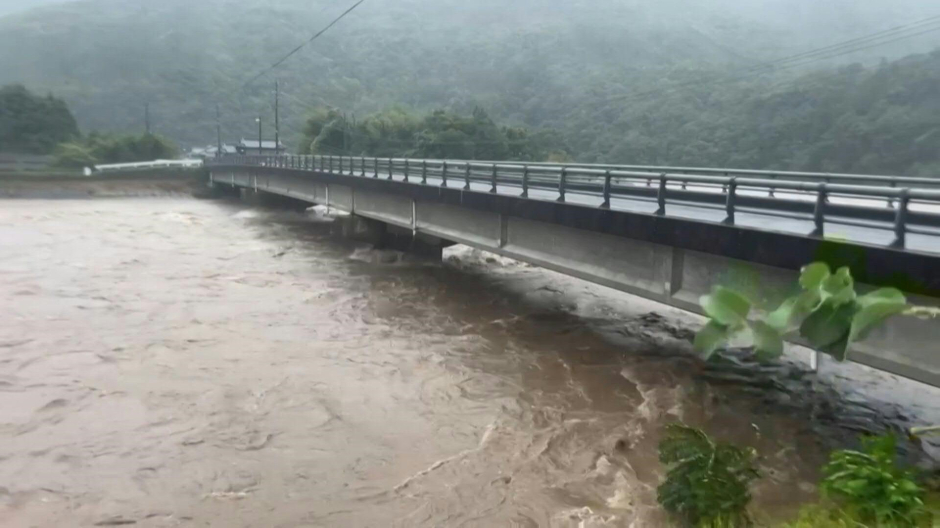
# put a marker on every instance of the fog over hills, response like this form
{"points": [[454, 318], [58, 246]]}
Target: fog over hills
{"points": [[530, 62]]}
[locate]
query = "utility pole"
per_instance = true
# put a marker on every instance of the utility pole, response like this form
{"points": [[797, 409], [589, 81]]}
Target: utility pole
{"points": [[277, 122], [345, 131], [147, 118], [259, 135], [218, 130]]}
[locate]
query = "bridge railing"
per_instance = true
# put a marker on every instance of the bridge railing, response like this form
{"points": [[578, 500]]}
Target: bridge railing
{"points": [[148, 165], [814, 177], [903, 205]]}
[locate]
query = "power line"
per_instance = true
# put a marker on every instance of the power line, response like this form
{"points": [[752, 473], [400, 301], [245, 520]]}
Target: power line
{"points": [[858, 40], [799, 59], [298, 48], [659, 96], [853, 49]]}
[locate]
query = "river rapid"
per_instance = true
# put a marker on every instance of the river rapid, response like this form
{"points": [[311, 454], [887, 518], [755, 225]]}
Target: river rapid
{"points": [[167, 361]]}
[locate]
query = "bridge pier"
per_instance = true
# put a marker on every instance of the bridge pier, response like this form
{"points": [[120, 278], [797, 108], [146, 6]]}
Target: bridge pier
{"points": [[386, 236], [214, 190], [265, 199]]}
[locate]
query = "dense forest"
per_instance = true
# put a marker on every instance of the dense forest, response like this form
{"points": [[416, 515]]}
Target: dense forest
{"points": [[881, 119], [668, 82], [437, 135], [33, 124], [108, 148]]}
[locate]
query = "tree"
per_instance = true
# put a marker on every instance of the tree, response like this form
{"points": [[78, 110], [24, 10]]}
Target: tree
{"points": [[439, 134], [97, 149], [33, 124]]}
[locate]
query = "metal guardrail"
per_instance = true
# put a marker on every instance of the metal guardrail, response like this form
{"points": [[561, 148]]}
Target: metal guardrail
{"points": [[904, 205], [147, 165], [815, 177]]}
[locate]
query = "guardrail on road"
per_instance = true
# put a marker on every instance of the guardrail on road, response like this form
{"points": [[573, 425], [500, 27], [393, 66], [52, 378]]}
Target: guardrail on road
{"points": [[903, 205]]}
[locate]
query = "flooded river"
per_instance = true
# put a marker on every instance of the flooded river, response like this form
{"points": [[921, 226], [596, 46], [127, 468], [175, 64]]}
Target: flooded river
{"points": [[176, 362]]}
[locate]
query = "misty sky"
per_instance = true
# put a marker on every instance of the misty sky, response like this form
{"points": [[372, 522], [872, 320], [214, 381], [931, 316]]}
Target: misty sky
{"points": [[12, 6]]}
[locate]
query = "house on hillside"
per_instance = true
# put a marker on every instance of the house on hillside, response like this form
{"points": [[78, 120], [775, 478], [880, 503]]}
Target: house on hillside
{"points": [[268, 148]]}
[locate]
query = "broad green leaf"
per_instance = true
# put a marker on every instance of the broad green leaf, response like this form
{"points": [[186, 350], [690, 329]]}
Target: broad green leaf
{"points": [[793, 311], [711, 337], [839, 349], [892, 295], [812, 275], [767, 340], [871, 314], [828, 327], [726, 306], [839, 288]]}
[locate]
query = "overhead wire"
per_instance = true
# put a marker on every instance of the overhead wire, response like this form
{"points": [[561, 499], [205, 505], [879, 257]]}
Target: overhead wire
{"points": [[804, 58], [302, 45], [858, 40]]}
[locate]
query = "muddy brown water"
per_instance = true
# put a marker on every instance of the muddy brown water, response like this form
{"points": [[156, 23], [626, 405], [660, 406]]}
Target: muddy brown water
{"points": [[176, 362]]}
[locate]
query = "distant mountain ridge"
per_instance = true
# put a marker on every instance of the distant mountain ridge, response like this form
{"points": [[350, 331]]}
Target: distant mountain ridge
{"points": [[531, 62]]}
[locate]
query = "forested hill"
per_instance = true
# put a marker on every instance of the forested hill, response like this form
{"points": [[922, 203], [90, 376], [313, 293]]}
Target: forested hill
{"points": [[883, 119], [574, 66]]}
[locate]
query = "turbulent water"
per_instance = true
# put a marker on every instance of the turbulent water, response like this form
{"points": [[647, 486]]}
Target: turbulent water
{"points": [[169, 361]]}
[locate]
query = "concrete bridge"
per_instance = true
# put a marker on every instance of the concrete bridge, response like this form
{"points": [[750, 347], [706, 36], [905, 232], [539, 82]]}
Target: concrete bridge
{"points": [[664, 234]]}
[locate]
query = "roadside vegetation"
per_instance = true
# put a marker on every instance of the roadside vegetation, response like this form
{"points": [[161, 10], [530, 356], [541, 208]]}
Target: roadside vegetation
{"points": [[439, 134], [97, 149], [707, 482], [707, 485], [34, 124]]}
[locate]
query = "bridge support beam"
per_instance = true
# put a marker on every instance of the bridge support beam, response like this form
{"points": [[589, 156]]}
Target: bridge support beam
{"points": [[217, 190]]}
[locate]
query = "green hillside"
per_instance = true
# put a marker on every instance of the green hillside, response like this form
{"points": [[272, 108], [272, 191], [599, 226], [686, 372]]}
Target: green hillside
{"points": [[573, 66]]}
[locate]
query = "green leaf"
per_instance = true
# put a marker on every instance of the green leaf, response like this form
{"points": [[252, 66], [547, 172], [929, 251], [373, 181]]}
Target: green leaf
{"points": [[726, 306], [812, 275], [707, 482], [793, 311], [881, 295], [839, 288], [827, 329], [767, 340], [875, 308], [839, 349], [712, 336]]}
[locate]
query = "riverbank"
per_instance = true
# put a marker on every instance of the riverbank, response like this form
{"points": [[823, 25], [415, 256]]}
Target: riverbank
{"points": [[58, 186]]}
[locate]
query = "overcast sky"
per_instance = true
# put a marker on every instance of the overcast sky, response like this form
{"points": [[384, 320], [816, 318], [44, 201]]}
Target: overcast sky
{"points": [[12, 6]]}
